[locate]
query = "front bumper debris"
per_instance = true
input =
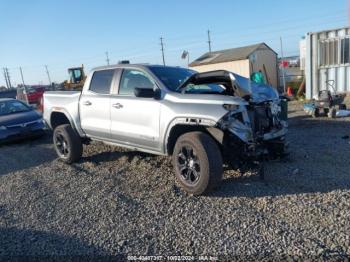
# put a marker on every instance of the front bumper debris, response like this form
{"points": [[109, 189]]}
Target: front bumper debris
{"points": [[275, 133], [254, 132]]}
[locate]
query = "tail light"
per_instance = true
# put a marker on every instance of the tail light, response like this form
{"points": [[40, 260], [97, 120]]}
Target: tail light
{"points": [[41, 104]]}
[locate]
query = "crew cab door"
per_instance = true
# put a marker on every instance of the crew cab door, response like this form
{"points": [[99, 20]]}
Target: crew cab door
{"points": [[94, 105], [134, 120]]}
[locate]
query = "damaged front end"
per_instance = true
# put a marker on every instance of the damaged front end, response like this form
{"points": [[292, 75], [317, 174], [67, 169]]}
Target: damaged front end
{"points": [[254, 130], [253, 127], [256, 127]]}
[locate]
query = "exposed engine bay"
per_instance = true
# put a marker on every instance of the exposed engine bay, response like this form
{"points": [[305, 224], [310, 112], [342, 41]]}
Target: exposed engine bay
{"points": [[254, 124]]}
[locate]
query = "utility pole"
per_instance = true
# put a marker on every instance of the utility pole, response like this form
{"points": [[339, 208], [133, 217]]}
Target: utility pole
{"points": [[48, 75], [8, 77], [209, 41], [282, 59], [107, 58], [186, 54], [5, 76], [162, 49], [24, 86], [20, 70]]}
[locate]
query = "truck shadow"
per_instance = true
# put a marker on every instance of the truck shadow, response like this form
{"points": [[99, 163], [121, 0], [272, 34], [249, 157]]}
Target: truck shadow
{"points": [[108, 156], [22, 242], [318, 163], [28, 153]]}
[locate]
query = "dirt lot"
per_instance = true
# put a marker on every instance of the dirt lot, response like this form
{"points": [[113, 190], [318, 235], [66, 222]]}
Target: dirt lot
{"points": [[116, 201]]}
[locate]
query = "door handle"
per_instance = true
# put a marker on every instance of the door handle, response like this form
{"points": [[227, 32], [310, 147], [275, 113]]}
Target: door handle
{"points": [[87, 103], [117, 105]]}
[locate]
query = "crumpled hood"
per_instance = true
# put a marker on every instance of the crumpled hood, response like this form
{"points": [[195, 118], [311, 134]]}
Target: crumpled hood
{"points": [[257, 92], [18, 118], [238, 86], [205, 99]]}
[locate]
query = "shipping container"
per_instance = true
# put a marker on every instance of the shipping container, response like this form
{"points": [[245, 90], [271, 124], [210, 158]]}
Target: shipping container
{"points": [[327, 61]]}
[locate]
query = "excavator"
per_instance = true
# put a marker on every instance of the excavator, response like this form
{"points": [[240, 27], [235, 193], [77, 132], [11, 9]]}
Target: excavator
{"points": [[76, 78]]}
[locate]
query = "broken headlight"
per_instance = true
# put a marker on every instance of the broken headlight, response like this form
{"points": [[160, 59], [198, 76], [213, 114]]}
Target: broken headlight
{"points": [[275, 108]]}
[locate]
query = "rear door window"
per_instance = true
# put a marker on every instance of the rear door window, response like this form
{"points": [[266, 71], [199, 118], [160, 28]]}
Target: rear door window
{"points": [[101, 81]]}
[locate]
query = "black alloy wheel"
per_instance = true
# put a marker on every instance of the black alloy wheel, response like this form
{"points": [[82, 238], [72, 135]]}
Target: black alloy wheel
{"points": [[189, 165], [61, 145]]}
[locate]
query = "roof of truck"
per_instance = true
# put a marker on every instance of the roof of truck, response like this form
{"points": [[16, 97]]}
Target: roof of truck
{"points": [[130, 65]]}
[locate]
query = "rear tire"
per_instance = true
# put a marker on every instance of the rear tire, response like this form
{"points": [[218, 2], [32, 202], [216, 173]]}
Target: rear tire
{"points": [[68, 144], [197, 163], [315, 113]]}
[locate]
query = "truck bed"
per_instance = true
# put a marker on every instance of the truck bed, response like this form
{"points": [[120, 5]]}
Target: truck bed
{"points": [[65, 101]]}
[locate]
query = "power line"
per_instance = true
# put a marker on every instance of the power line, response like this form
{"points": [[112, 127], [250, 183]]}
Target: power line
{"points": [[162, 49], [209, 41], [245, 36], [280, 22], [280, 30], [197, 42]]}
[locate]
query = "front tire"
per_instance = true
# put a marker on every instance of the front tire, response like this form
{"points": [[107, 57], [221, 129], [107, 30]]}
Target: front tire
{"points": [[197, 163], [332, 112], [326, 111], [67, 144]]}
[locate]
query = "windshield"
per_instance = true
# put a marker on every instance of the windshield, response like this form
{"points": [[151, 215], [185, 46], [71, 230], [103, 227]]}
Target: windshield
{"points": [[204, 89], [171, 77], [12, 107]]}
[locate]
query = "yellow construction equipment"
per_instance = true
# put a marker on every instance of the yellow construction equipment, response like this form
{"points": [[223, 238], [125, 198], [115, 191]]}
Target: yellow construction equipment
{"points": [[76, 78]]}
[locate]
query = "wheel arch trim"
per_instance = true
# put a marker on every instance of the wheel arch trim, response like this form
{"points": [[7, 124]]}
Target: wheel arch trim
{"points": [[186, 122], [68, 116]]}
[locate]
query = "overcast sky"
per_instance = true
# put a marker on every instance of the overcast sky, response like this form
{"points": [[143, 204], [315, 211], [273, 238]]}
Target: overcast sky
{"points": [[64, 33]]}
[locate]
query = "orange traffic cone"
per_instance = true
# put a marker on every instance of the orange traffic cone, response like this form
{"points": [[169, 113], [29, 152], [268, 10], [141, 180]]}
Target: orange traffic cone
{"points": [[289, 91]]}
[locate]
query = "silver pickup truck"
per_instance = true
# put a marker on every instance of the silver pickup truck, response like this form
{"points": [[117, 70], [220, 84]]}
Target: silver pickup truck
{"points": [[201, 119]]}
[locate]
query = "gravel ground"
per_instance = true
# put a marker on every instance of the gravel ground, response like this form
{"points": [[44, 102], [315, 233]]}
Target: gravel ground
{"points": [[116, 201]]}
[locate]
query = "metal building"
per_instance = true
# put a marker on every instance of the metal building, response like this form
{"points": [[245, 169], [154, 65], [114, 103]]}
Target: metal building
{"points": [[327, 61]]}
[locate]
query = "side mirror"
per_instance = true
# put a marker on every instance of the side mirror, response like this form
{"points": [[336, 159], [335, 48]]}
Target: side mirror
{"points": [[147, 92]]}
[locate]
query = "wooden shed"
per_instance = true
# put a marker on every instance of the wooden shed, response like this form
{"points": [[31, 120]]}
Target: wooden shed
{"points": [[241, 60]]}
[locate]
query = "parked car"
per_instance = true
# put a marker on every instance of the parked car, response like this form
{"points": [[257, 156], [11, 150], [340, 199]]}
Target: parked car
{"points": [[8, 93], [30, 95], [201, 119], [35, 94], [18, 120]]}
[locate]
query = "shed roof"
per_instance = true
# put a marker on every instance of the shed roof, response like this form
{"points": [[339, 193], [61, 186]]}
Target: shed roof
{"points": [[227, 55]]}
